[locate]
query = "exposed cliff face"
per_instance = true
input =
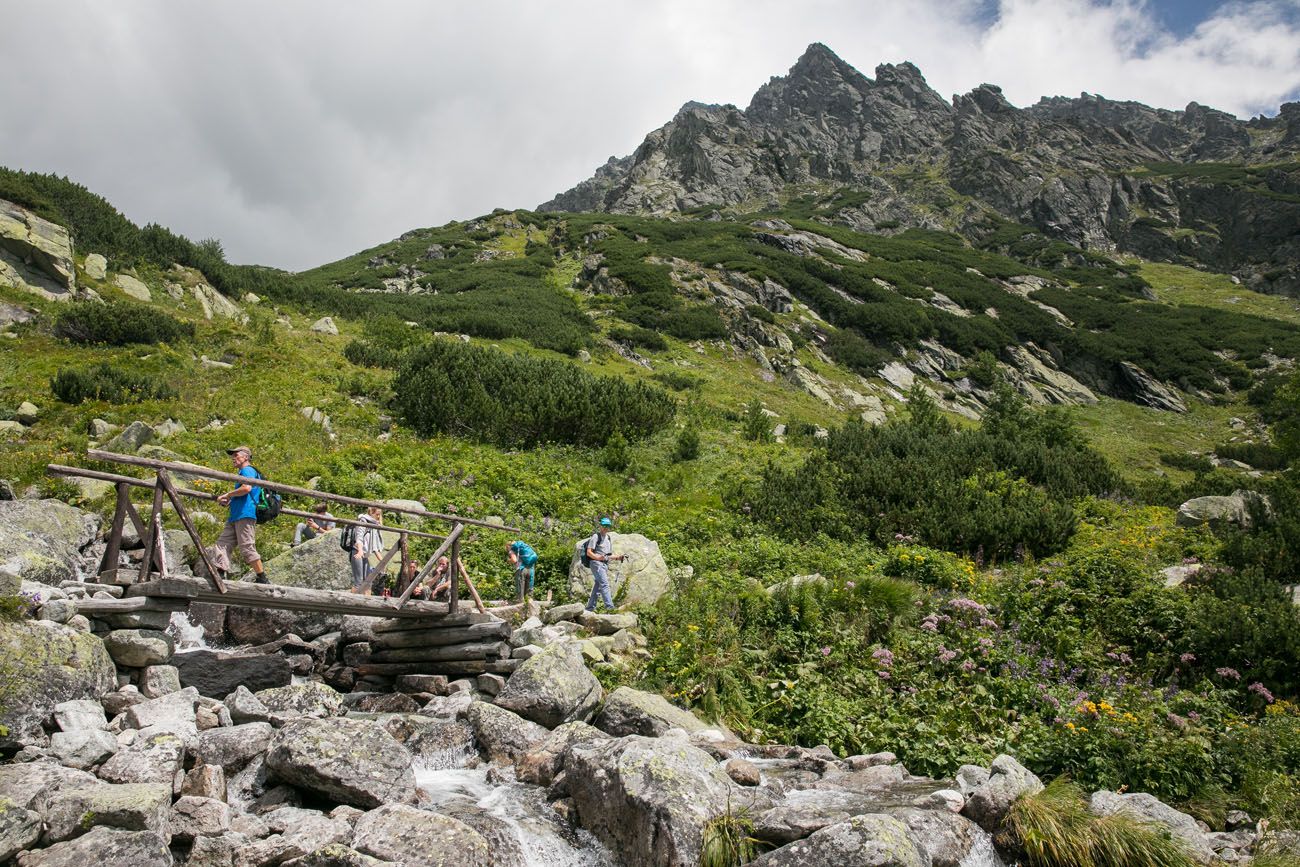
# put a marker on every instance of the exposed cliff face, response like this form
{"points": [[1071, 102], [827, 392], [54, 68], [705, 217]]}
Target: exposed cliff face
{"points": [[1097, 173]]}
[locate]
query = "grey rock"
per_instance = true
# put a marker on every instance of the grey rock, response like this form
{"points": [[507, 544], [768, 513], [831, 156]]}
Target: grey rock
{"points": [[1151, 810], [970, 778], [121, 699], [544, 761], [988, 803], [20, 829], [245, 707], [151, 758], [338, 855], [639, 580], [258, 626], [607, 624], [552, 687], [318, 564], [104, 846], [312, 699], [571, 611], [83, 748], [83, 713], [136, 807], [1219, 512], [30, 785], [218, 673], [193, 816], [503, 736], [137, 648], [231, 748], [133, 287], [648, 799], [205, 781], [159, 680], [946, 839], [1147, 390], [129, 441], [95, 266], [406, 835], [47, 664], [174, 709], [870, 840], [41, 539], [37, 254], [325, 325], [354, 762], [630, 711], [98, 428], [742, 772]]}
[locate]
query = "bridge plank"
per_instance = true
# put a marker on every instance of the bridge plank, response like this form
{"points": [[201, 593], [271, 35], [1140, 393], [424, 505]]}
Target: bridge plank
{"points": [[292, 599], [440, 637]]}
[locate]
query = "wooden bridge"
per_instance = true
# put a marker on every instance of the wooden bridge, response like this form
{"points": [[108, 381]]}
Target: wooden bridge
{"points": [[415, 636]]}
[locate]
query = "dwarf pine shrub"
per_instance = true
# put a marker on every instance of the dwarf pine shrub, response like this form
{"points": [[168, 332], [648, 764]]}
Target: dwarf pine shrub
{"points": [[120, 324], [108, 383]]}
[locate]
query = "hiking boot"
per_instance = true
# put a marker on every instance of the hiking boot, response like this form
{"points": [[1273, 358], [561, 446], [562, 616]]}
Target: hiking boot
{"points": [[260, 578]]}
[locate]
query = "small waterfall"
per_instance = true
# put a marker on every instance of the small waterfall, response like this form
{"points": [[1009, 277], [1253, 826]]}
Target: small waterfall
{"points": [[188, 636]]}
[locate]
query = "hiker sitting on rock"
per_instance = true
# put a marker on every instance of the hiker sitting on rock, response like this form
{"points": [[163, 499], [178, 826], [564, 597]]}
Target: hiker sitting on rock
{"points": [[241, 527], [522, 556], [437, 583], [319, 525], [368, 542], [600, 550]]}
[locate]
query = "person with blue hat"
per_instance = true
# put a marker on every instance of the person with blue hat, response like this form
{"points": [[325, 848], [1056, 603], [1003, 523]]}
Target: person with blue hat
{"points": [[600, 550]]}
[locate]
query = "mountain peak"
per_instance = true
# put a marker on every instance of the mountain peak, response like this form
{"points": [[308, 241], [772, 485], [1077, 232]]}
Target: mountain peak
{"points": [[820, 63]]}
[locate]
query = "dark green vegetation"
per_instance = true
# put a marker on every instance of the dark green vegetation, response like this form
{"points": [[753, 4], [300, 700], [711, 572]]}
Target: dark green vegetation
{"points": [[110, 384], [446, 387], [120, 324], [994, 492], [1272, 181]]}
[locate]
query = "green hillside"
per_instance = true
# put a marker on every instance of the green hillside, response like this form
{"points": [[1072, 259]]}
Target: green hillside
{"points": [[990, 569]]}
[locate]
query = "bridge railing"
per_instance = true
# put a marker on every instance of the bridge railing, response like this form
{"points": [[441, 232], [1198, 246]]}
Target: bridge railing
{"points": [[165, 488]]}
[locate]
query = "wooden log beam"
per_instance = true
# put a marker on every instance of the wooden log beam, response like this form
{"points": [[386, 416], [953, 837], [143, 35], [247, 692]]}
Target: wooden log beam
{"points": [[154, 544], [114, 548], [288, 598], [61, 470], [94, 607], [165, 482], [451, 669], [450, 653], [440, 637], [203, 472], [412, 624]]}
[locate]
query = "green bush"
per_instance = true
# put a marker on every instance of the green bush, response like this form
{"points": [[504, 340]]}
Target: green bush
{"points": [[108, 383], [453, 388], [756, 427], [635, 335], [384, 343], [688, 445], [120, 324], [616, 456], [678, 381]]}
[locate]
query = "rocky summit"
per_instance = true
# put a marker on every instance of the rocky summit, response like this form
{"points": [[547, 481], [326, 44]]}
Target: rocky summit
{"points": [[1193, 186]]}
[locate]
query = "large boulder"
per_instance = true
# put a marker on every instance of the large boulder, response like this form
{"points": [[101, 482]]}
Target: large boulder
{"points": [[40, 539], [648, 799], [544, 761], [870, 840], [988, 803], [418, 838], [502, 735], [20, 828], [32, 784], [131, 807], [129, 441], [1151, 810], [133, 287], [136, 648], [216, 673], [45, 664], [947, 839], [630, 711], [315, 700], [1219, 512], [151, 758], [319, 564], [35, 254], [105, 846], [231, 747], [353, 762], [552, 687], [639, 580], [263, 625], [213, 303]]}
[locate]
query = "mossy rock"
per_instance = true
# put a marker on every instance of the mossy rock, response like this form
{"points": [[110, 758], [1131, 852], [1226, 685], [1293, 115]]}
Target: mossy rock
{"points": [[40, 539], [43, 663]]}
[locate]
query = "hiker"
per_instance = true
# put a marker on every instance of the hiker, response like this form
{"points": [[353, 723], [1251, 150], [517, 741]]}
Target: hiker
{"points": [[438, 581], [522, 556], [241, 527], [367, 541], [600, 550], [319, 525]]}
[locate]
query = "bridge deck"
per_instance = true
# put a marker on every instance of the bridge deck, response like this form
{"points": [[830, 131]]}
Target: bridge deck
{"points": [[432, 614]]}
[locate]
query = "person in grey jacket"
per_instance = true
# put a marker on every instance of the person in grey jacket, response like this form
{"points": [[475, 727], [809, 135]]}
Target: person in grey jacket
{"points": [[368, 542], [600, 551]]}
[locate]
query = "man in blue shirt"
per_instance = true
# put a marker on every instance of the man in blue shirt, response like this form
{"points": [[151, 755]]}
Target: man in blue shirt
{"points": [[241, 526]]}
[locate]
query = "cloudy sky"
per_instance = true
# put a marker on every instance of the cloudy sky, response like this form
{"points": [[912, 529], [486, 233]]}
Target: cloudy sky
{"points": [[301, 131]]}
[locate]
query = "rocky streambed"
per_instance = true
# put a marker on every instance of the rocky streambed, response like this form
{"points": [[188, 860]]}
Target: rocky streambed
{"points": [[120, 750]]}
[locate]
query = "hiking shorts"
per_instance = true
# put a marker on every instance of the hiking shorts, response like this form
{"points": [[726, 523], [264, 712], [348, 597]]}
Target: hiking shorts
{"points": [[240, 535], [524, 579]]}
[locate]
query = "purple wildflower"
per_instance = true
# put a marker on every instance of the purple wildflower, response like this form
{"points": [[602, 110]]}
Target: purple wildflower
{"points": [[1228, 673], [884, 657], [946, 655], [826, 651], [1187, 658], [1262, 691]]}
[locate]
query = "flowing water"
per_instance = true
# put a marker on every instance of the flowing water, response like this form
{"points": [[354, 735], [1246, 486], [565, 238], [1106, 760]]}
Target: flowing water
{"points": [[188, 636], [516, 819]]}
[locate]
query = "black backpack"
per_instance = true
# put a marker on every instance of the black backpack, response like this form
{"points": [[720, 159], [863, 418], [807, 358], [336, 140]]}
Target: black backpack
{"points": [[348, 538], [268, 503], [582, 551]]}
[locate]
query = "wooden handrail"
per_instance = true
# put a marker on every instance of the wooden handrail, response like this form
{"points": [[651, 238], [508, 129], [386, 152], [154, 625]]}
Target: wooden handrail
{"points": [[61, 470], [204, 472]]}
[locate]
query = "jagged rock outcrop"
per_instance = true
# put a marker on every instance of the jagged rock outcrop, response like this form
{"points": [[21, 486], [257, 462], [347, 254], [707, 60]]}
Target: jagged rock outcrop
{"points": [[1094, 172], [35, 254]]}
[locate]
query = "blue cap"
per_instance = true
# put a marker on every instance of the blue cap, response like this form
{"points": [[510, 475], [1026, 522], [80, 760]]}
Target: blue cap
{"points": [[606, 522]]}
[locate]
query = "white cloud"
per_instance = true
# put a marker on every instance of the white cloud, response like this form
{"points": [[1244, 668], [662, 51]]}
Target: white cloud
{"points": [[300, 132]]}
